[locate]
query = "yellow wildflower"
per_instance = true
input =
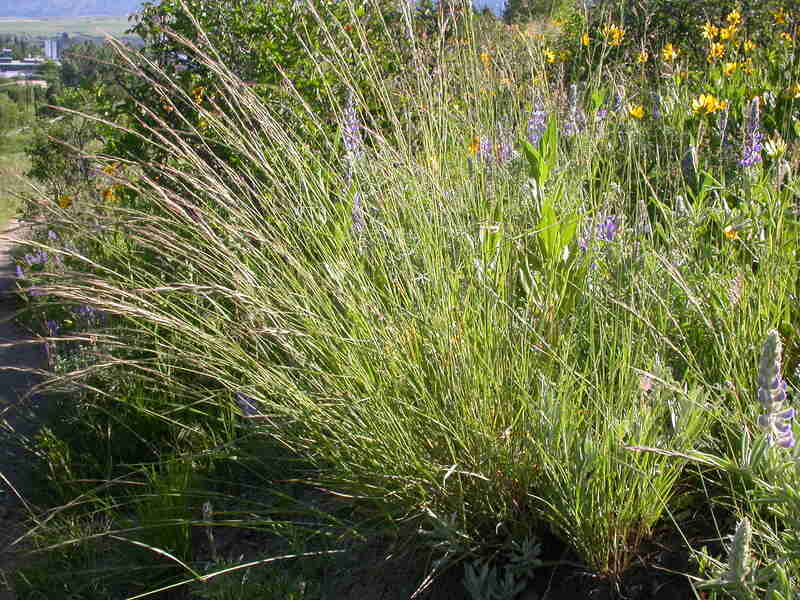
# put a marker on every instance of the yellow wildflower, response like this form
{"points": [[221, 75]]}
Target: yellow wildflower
{"points": [[734, 18], [779, 16], [727, 33], [636, 111], [731, 233], [109, 195], [786, 36], [642, 57], [715, 51], [710, 31], [65, 201], [585, 39], [549, 55], [729, 68], [669, 52], [486, 59], [475, 145], [111, 169], [794, 91], [613, 35], [749, 46], [707, 104]]}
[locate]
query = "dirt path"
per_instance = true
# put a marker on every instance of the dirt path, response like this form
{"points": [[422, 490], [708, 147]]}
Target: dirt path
{"points": [[14, 384]]}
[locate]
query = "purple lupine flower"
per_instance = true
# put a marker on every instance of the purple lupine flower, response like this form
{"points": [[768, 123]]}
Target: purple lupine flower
{"points": [[482, 147], [575, 117], [247, 405], [772, 394], [351, 131], [537, 124], [485, 149], [504, 147], [619, 101], [52, 327], [20, 273], [656, 106], [606, 231], [357, 215], [35, 292], [608, 228], [52, 235], [84, 310], [601, 114], [37, 258], [753, 138]]}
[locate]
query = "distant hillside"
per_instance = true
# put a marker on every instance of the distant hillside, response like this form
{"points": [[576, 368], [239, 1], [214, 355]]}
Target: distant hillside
{"points": [[67, 8]]}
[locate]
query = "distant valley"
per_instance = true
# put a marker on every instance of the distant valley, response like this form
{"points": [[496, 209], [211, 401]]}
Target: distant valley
{"points": [[35, 9]]}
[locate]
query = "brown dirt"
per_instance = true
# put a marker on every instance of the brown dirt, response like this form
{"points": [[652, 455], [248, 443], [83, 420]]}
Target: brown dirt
{"points": [[15, 382]]}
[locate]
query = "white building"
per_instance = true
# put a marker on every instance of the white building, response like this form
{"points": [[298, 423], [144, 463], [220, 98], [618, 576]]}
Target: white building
{"points": [[51, 49]]}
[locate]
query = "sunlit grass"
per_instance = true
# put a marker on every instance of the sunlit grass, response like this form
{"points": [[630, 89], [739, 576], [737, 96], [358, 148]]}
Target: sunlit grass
{"points": [[469, 341], [13, 166]]}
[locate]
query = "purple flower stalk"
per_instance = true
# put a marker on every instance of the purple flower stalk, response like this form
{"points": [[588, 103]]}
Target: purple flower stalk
{"points": [[84, 312], [575, 117], [37, 258], [608, 229], [537, 124], [20, 273], [619, 100], [772, 394], [52, 328], [351, 130], [657, 106], [247, 405], [484, 152], [504, 148], [359, 224], [52, 235], [753, 138]]}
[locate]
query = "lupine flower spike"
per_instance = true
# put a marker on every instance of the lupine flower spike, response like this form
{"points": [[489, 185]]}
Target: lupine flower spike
{"points": [[608, 228], [776, 421], [537, 124], [351, 130], [575, 116], [359, 224], [247, 405], [753, 138]]}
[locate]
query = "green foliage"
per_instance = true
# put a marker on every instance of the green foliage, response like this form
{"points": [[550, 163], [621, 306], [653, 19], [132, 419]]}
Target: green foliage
{"points": [[89, 65], [59, 145], [542, 158]]}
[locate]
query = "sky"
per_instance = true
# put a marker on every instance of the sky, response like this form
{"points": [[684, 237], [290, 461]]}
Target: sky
{"points": [[495, 5]]}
